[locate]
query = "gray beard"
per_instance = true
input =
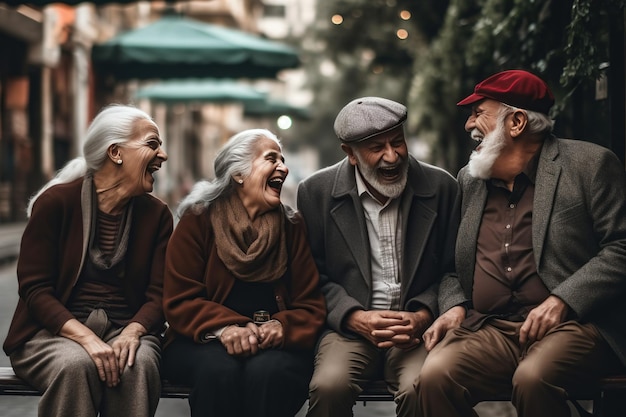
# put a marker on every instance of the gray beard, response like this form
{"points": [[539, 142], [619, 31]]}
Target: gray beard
{"points": [[481, 163], [371, 176]]}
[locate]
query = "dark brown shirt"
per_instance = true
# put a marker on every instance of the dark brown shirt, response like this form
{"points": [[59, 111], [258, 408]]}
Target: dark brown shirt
{"points": [[506, 283]]}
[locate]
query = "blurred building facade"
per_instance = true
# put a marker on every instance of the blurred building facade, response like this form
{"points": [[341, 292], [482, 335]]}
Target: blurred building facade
{"points": [[49, 94]]}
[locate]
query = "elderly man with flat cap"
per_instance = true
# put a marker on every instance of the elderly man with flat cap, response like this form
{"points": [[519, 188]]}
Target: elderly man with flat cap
{"points": [[537, 309], [382, 228]]}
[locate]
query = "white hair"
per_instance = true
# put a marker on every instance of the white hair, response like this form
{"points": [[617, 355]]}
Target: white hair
{"points": [[115, 124], [234, 158]]}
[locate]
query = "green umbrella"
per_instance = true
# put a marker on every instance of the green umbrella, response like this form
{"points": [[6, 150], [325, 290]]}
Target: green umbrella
{"points": [[178, 47], [203, 91]]}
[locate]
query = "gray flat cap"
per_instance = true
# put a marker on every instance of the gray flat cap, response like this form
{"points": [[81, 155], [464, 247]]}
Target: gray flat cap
{"points": [[366, 117]]}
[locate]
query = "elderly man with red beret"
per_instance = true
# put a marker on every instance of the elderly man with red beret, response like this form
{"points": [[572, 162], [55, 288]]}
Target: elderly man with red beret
{"points": [[536, 309]]}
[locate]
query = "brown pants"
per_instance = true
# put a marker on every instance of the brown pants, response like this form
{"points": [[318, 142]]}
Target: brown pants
{"points": [[343, 366], [64, 372], [467, 367]]}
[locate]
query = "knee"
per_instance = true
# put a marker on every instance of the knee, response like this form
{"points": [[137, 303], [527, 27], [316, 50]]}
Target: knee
{"points": [[147, 359], [435, 374], [529, 377], [327, 382], [79, 369]]}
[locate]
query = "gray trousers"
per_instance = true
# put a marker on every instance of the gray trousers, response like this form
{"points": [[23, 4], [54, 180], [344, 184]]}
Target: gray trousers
{"points": [[343, 366], [63, 371]]}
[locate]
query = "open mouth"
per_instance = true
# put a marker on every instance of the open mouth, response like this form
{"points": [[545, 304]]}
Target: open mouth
{"points": [[389, 172], [153, 168], [276, 183]]}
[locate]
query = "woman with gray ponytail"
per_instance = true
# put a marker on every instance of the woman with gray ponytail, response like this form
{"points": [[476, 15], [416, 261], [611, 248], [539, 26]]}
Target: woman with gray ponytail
{"points": [[241, 291], [90, 272]]}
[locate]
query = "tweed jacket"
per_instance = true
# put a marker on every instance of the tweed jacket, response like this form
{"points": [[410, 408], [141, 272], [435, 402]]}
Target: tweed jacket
{"points": [[53, 251], [332, 209], [578, 234], [197, 283]]}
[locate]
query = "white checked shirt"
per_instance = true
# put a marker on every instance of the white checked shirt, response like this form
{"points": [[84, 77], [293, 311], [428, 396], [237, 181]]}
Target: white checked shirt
{"points": [[385, 238]]}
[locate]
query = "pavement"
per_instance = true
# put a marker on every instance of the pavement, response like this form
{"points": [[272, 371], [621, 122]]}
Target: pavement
{"points": [[10, 237]]}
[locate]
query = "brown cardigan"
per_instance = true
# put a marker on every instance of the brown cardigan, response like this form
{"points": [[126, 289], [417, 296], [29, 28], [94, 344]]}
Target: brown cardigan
{"points": [[197, 282], [50, 258]]}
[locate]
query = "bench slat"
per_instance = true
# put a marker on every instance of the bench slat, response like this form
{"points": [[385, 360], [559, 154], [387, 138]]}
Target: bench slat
{"points": [[10, 384]]}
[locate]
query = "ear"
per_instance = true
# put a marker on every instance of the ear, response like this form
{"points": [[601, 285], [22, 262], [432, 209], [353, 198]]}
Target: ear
{"points": [[114, 153], [350, 152], [519, 121], [238, 178]]}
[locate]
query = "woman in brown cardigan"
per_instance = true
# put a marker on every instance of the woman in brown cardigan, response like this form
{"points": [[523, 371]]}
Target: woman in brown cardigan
{"points": [[90, 274], [241, 289]]}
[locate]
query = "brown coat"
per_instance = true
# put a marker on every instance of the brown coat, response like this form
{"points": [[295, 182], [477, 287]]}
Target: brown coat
{"points": [[50, 260], [197, 283]]}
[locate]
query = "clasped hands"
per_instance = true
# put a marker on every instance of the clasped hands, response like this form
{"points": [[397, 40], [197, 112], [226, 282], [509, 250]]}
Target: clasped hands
{"points": [[386, 328], [246, 341]]}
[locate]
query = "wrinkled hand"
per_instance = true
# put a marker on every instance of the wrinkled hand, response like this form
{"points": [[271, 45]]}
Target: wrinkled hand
{"points": [[542, 318], [126, 344], [100, 353], [271, 334], [104, 357], [448, 320], [366, 322], [405, 336], [241, 341]]}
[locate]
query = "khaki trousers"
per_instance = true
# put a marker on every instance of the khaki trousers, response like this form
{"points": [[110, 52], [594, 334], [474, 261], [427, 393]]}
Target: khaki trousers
{"points": [[63, 371], [343, 366], [467, 367]]}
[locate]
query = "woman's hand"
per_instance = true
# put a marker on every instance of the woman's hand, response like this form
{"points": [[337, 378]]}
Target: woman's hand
{"points": [[100, 353], [272, 334], [241, 341], [126, 344]]}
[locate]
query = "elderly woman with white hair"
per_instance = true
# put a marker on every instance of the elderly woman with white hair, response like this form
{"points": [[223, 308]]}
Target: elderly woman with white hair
{"points": [[90, 273], [241, 289]]}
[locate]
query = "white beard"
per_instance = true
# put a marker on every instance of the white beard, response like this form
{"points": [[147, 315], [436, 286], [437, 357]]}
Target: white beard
{"points": [[481, 162], [370, 175]]}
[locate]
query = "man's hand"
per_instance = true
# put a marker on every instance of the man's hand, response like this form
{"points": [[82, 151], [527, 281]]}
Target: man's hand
{"points": [[405, 336], [366, 322], [448, 320], [542, 318]]}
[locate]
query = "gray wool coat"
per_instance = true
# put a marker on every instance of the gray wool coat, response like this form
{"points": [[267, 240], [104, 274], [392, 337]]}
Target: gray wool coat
{"points": [[337, 233], [578, 234]]}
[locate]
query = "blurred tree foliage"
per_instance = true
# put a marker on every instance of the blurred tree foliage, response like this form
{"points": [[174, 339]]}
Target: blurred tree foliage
{"points": [[451, 45]]}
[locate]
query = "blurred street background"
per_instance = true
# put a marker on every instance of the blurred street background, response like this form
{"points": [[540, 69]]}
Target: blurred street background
{"points": [[207, 69]]}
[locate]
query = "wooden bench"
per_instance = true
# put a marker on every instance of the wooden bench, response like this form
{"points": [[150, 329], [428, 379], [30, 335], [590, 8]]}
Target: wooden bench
{"points": [[608, 401]]}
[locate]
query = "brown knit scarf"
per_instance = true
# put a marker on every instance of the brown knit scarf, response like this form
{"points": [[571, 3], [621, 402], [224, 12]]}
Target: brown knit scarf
{"points": [[253, 251]]}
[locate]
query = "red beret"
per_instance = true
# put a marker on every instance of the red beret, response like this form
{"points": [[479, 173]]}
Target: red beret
{"points": [[516, 88]]}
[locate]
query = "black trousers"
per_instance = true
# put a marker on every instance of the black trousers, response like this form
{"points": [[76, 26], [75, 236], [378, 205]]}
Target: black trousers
{"points": [[272, 383]]}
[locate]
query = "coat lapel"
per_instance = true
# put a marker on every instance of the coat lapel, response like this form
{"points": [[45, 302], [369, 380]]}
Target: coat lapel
{"points": [[418, 220], [474, 198], [548, 172], [350, 220]]}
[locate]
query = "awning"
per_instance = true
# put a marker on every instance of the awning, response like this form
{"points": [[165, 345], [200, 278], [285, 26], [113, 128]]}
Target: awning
{"points": [[201, 91], [274, 107], [179, 47]]}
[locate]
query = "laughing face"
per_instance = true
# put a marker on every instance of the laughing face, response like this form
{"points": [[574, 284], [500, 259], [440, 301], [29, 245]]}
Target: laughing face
{"points": [[260, 191], [142, 156], [383, 162], [486, 126]]}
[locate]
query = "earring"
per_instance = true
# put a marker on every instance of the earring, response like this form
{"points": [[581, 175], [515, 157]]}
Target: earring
{"points": [[119, 162], [240, 181]]}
